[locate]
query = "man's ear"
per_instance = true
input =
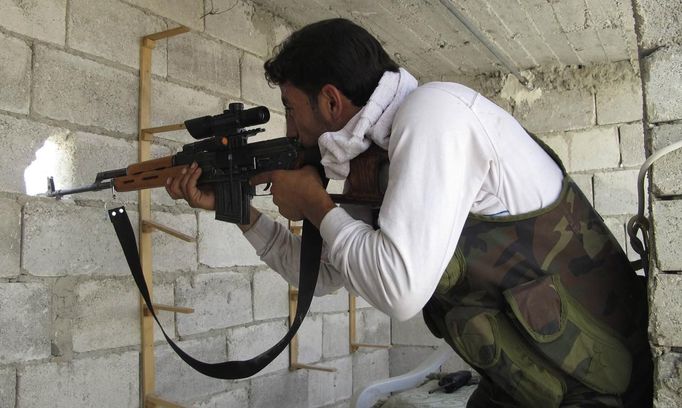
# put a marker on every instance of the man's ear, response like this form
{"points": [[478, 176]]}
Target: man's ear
{"points": [[335, 107]]}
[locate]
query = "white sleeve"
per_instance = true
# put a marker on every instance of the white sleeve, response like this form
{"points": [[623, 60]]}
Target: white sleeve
{"points": [[440, 156], [281, 251]]}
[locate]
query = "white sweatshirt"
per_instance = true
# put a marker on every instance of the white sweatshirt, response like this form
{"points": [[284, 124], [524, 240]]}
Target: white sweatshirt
{"points": [[451, 152]]}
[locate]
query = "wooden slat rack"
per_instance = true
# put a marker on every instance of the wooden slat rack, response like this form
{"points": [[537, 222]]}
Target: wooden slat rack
{"points": [[147, 226]]}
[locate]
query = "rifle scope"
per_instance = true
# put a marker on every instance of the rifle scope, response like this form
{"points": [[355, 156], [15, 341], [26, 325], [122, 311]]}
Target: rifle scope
{"points": [[228, 122]]}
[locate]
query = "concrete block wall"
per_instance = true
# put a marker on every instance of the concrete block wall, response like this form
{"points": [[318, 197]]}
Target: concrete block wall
{"points": [[660, 45], [69, 324]]}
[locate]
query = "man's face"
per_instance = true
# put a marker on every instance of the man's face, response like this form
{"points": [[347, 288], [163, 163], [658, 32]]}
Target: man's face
{"points": [[304, 121]]}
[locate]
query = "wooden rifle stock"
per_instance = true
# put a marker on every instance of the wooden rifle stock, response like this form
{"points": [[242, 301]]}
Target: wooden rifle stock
{"points": [[366, 182]]}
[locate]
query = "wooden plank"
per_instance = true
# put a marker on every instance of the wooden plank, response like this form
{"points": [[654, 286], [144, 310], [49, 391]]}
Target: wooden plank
{"points": [[299, 366], [147, 361], [153, 400], [293, 345], [351, 323]]}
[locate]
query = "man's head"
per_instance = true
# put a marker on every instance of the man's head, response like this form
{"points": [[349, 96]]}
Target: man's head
{"points": [[326, 71]]}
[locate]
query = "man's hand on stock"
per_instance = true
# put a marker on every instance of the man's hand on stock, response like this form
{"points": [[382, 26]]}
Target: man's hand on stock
{"points": [[298, 193]]}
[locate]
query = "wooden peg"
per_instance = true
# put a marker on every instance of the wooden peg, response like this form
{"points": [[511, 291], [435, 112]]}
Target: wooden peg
{"points": [[168, 33], [168, 308], [148, 226], [156, 401]]}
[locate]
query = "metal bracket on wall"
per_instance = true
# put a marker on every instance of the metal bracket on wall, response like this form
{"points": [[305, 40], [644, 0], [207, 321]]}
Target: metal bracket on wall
{"points": [[145, 135]]}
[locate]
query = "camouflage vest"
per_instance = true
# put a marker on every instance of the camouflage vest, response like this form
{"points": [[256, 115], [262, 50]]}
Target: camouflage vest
{"points": [[532, 301]]}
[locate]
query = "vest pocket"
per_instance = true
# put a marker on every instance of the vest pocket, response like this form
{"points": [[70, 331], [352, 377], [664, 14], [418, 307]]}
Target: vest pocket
{"points": [[563, 331], [487, 340]]}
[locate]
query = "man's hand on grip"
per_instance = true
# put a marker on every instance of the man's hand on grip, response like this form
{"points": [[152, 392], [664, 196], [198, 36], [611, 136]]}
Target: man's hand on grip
{"points": [[298, 193]]}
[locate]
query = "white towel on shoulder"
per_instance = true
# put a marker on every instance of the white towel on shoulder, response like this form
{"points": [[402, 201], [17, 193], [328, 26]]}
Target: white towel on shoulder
{"points": [[371, 124]]}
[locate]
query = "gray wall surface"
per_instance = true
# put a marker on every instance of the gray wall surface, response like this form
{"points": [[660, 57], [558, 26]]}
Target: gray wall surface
{"points": [[69, 325]]}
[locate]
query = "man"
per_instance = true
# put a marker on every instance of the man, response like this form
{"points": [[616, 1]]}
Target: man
{"points": [[479, 227]]}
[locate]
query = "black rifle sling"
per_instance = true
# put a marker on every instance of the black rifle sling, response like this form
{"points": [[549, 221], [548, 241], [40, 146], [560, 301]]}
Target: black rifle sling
{"points": [[311, 248]]}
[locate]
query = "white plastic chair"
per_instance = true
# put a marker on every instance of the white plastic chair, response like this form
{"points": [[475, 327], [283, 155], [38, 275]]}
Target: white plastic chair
{"points": [[368, 396]]}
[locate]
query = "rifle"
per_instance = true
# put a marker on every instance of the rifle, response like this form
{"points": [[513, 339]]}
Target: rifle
{"points": [[228, 162]]}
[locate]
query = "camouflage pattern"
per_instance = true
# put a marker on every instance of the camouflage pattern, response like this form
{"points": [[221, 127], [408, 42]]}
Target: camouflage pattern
{"points": [[545, 306]]}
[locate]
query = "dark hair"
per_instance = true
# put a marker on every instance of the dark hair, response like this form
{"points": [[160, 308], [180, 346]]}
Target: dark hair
{"points": [[337, 52]]}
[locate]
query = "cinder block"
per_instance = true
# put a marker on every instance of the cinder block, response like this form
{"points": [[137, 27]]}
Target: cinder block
{"points": [[325, 388], [177, 381], [667, 171], [10, 244], [102, 381], [206, 63], [373, 327], [15, 75], [170, 253], [559, 143], [237, 398], [281, 30], [369, 367], [223, 244], [248, 29], [282, 390], [107, 313], [270, 295], [244, 343], [254, 86], [620, 102], [617, 228], [584, 182], [65, 239], [659, 23], [336, 301], [558, 111], [663, 68], [667, 220], [23, 138], [21, 303], [593, 149], [112, 30], [666, 309], [667, 379], [632, 150], [167, 111], [8, 386], [219, 300], [405, 358], [71, 88], [335, 335], [413, 332], [310, 340], [616, 192], [43, 20], [185, 12]]}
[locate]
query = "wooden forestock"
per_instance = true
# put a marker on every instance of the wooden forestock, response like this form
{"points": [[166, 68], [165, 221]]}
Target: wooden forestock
{"points": [[148, 174], [364, 184]]}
